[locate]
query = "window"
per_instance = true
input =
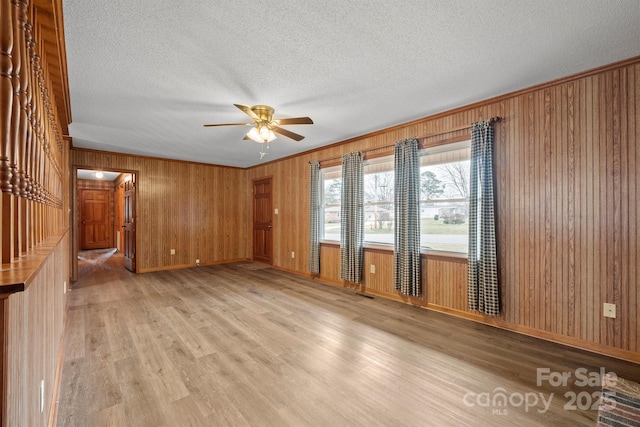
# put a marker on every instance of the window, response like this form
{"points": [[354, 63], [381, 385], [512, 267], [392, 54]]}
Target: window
{"points": [[378, 201], [444, 192], [444, 205], [378, 186], [331, 179]]}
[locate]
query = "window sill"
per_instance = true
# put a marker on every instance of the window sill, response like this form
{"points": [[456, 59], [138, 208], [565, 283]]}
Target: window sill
{"points": [[427, 253], [378, 247], [444, 255]]}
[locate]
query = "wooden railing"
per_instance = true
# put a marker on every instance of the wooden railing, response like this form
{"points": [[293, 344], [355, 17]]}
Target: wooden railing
{"points": [[31, 141], [34, 201]]}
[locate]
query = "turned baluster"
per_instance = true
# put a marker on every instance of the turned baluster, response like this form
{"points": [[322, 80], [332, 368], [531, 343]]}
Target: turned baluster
{"points": [[38, 131], [6, 94], [31, 142], [23, 6], [16, 116]]}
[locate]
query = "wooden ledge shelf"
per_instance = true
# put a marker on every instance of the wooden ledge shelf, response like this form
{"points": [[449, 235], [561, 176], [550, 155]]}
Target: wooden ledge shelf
{"points": [[17, 276]]}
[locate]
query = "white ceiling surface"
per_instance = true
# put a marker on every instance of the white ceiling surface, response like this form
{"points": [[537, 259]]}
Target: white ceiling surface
{"points": [[145, 75]]}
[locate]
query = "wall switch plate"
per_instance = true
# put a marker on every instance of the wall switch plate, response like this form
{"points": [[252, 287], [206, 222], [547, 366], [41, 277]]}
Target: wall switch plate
{"points": [[609, 310], [173, 251], [275, 211], [197, 262], [64, 287], [293, 254], [372, 269]]}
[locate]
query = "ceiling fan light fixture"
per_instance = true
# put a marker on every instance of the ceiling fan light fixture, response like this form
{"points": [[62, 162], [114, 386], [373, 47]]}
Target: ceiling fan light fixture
{"points": [[271, 137], [265, 127], [262, 134]]}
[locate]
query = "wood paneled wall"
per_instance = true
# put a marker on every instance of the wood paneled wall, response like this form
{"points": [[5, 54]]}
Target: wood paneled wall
{"points": [[34, 325], [96, 184], [199, 210], [568, 217]]}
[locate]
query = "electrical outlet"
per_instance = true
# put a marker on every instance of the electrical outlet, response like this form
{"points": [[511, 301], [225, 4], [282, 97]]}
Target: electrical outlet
{"points": [[197, 262], [275, 211], [372, 269], [173, 251], [609, 310], [293, 254]]}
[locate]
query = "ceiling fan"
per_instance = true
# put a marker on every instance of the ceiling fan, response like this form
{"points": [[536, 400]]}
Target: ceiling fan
{"points": [[264, 126]]}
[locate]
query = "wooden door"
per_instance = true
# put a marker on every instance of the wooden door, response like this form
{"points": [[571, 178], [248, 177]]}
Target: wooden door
{"points": [[262, 221], [95, 219], [118, 217], [129, 227]]}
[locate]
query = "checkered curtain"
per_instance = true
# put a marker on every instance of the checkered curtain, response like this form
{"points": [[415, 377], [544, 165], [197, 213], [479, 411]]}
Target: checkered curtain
{"points": [[314, 217], [406, 254], [352, 218], [482, 267]]}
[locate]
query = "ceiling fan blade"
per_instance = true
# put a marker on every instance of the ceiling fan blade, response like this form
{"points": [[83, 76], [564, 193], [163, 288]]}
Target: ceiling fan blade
{"points": [[288, 133], [294, 121], [227, 124], [248, 112]]}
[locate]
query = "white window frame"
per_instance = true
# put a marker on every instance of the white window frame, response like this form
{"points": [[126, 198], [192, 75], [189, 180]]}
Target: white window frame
{"points": [[379, 165], [334, 172], [442, 155]]}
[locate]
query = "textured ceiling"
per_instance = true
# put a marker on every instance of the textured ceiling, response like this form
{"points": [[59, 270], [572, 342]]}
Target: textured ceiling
{"points": [[145, 75]]}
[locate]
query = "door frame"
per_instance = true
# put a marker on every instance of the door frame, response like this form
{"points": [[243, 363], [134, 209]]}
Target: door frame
{"points": [[75, 216]]}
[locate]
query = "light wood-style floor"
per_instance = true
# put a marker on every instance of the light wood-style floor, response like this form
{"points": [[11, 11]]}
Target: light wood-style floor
{"points": [[229, 345]]}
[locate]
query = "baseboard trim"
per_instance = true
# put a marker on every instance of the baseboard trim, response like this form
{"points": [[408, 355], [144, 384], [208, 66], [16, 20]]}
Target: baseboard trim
{"points": [[592, 347]]}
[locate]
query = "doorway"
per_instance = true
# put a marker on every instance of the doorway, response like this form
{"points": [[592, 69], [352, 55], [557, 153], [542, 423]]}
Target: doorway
{"points": [[104, 217], [262, 221]]}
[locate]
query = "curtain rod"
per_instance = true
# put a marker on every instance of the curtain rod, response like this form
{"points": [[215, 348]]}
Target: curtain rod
{"points": [[492, 120]]}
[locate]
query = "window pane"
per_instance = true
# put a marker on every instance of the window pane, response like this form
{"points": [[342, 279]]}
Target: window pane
{"points": [[330, 209], [444, 206], [378, 201], [444, 226], [444, 176], [332, 223]]}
